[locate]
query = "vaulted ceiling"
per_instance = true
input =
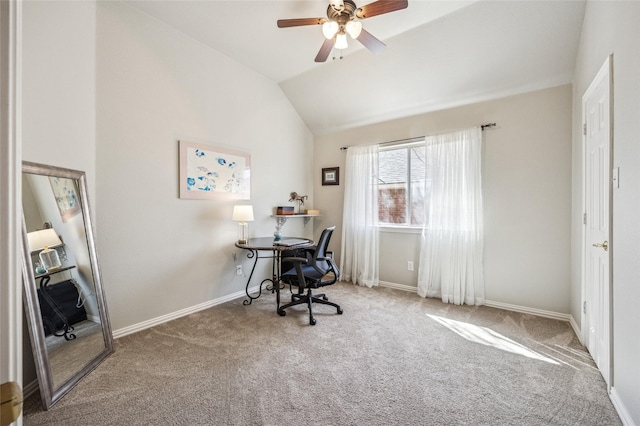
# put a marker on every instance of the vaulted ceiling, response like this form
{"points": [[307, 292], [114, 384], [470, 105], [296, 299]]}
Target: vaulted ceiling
{"points": [[439, 54]]}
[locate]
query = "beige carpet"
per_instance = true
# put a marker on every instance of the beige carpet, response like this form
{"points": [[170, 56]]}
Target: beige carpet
{"points": [[391, 358]]}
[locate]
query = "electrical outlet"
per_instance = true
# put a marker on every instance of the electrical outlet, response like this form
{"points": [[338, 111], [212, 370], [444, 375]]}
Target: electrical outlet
{"points": [[410, 265], [238, 269]]}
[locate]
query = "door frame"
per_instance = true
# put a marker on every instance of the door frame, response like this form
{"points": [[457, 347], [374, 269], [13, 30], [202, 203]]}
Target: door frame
{"points": [[10, 198], [605, 72]]}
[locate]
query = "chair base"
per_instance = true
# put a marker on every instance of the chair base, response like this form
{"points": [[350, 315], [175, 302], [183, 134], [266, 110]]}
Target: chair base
{"points": [[308, 299]]}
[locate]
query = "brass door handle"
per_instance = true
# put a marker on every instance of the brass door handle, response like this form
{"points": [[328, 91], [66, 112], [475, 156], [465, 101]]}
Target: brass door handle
{"points": [[604, 245], [11, 402]]}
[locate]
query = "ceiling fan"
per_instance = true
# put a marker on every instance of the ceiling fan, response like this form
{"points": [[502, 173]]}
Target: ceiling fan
{"points": [[343, 18]]}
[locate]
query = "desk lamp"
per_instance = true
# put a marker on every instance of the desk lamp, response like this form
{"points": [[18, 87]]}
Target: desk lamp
{"points": [[242, 215], [43, 241]]}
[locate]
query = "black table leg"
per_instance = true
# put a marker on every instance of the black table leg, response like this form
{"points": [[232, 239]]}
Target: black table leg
{"points": [[66, 328], [251, 255]]}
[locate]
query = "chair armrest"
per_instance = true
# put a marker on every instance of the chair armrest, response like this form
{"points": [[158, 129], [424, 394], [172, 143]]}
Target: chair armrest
{"points": [[297, 265]]}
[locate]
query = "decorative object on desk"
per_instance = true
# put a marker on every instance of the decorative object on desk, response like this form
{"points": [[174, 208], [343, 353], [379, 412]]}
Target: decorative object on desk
{"points": [[286, 210], [66, 195], [298, 198], [39, 268], [243, 214], [281, 211], [207, 172], [331, 176], [44, 241]]}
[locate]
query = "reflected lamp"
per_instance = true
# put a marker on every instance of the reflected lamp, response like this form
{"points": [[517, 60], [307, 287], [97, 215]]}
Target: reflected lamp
{"points": [[243, 214], [44, 241]]}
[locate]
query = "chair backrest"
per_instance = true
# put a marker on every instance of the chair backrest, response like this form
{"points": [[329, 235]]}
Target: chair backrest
{"points": [[323, 243], [321, 252]]}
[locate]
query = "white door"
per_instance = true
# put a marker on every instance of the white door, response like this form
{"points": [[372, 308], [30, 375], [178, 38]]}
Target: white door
{"points": [[597, 297]]}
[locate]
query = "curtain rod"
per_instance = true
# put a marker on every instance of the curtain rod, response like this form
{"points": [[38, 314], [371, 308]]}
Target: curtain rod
{"points": [[482, 127]]}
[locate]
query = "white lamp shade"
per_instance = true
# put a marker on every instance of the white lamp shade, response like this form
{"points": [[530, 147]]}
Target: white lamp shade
{"points": [[329, 29], [341, 41], [354, 28], [38, 240], [243, 213]]}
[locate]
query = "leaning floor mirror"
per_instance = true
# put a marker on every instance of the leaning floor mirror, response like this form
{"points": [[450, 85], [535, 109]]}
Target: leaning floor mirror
{"points": [[64, 301]]}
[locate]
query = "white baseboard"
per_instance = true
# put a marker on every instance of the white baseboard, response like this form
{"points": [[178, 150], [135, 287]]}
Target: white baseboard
{"points": [[121, 332], [576, 329], [402, 287], [500, 305], [29, 389], [527, 310], [621, 409]]}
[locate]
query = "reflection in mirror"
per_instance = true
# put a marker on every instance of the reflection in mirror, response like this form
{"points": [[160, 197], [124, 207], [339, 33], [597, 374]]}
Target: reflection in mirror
{"points": [[64, 301]]}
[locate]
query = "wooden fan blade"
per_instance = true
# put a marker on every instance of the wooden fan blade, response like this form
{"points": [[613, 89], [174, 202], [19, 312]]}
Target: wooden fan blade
{"points": [[381, 6], [323, 54], [286, 23], [370, 42]]}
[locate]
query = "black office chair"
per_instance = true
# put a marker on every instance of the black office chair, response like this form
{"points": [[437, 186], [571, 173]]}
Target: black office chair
{"points": [[314, 271]]}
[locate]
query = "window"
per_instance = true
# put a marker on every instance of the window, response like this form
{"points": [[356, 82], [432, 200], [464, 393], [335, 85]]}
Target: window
{"points": [[402, 187]]}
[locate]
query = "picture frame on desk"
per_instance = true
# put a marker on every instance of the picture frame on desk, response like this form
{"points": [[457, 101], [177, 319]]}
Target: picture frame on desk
{"points": [[331, 176], [208, 172]]}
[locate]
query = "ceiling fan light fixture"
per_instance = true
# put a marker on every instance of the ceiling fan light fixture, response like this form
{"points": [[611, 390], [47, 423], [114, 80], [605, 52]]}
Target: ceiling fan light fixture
{"points": [[341, 41], [329, 29], [354, 28]]}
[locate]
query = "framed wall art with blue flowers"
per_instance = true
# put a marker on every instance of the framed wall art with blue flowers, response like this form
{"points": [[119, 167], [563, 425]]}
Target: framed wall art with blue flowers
{"points": [[208, 172]]}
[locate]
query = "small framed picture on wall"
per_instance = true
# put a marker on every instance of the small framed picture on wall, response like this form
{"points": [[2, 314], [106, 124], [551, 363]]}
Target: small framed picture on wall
{"points": [[331, 176]]}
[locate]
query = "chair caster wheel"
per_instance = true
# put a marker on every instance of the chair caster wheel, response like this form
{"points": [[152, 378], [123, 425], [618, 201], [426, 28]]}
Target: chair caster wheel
{"points": [[282, 312], [325, 298], [312, 321], [340, 311]]}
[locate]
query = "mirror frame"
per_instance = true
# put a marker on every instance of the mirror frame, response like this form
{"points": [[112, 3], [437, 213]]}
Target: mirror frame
{"points": [[48, 392]]}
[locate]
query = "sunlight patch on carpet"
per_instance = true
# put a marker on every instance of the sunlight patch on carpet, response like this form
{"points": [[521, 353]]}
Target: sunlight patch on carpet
{"points": [[488, 337]]}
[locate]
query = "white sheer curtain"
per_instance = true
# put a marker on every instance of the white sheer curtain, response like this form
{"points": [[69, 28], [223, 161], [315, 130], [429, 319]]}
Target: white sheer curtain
{"points": [[359, 249], [452, 238]]}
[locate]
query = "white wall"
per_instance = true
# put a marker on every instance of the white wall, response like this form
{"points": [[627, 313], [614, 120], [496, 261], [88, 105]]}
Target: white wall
{"points": [[58, 95], [155, 86], [526, 188], [614, 28], [59, 59]]}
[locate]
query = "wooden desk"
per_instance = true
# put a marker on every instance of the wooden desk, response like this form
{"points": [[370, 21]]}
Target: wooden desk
{"points": [[266, 244]]}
